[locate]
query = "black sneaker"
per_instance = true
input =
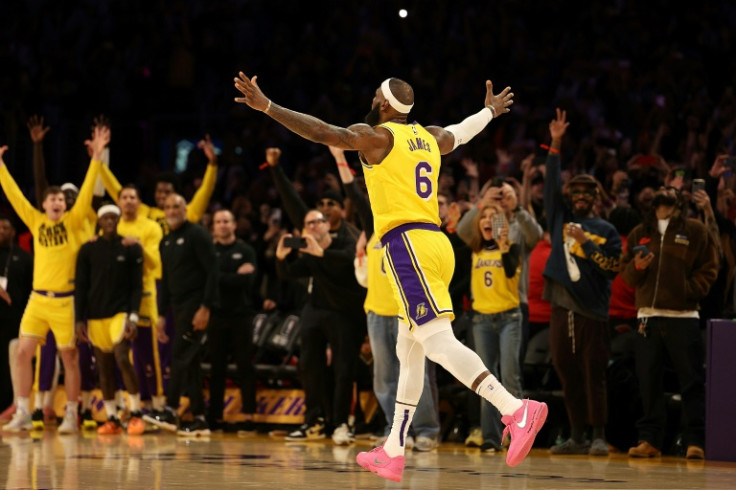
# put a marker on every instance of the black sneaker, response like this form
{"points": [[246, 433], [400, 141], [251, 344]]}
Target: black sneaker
{"points": [[165, 419], [37, 419], [247, 428], [88, 423], [308, 433], [195, 428]]}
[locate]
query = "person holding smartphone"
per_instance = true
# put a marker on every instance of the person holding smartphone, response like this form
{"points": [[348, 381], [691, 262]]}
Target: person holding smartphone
{"points": [[670, 281], [330, 317], [497, 318]]}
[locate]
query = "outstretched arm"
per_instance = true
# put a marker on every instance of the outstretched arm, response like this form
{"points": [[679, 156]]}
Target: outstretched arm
{"points": [[201, 199], [361, 137], [455, 135], [24, 209], [38, 132], [296, 209]]}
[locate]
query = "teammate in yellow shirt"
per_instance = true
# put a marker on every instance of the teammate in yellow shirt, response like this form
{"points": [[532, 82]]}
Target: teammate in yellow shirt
{"points": [[47, 363], [136, 228], [57, 236], [401, 163]]}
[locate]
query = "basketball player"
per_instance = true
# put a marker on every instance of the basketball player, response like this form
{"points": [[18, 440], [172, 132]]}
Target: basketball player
{"points": [[137, 229], [401, 163], [47, 362], [109, 286], [56, 241]]}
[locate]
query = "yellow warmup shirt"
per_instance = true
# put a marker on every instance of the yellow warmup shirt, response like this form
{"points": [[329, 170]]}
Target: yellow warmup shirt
{"points": [[491, 290], [55, 243], [380, 298], [195, 208], [403, 187], [149, 235]]}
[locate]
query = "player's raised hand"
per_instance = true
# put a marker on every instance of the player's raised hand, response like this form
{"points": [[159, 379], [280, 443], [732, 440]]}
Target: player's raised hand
{"points": [[252, 95], [36, 128], [501, 103], [208, 148], [100, 139], [3, 149]]}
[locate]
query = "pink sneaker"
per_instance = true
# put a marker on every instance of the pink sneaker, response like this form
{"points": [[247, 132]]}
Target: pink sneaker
{"points": [[378, 462], [523, 426]]}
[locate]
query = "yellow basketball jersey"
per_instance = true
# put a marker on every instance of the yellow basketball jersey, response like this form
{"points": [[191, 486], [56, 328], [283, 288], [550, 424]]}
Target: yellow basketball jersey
{"points": [[403, 187], [492, 291], [380, 298]]}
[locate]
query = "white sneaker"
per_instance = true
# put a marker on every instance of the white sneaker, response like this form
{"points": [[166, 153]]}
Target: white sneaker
{"points": [[342, 436], [21, 422], [425, 444], [69, 425]]}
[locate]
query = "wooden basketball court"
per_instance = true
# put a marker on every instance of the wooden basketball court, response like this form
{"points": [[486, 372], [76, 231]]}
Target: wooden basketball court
{"points": [[225, 461]]}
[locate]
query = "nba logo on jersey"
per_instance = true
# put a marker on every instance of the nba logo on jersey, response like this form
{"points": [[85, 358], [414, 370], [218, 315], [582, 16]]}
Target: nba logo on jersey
{"points": [[421, 311]]}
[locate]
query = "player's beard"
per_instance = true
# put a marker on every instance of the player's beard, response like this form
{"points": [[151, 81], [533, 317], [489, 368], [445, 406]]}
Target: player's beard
{"points": [[373, 118]]}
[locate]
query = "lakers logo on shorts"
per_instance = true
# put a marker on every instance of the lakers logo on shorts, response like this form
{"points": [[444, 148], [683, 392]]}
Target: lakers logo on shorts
{"points": [[421, 311]]}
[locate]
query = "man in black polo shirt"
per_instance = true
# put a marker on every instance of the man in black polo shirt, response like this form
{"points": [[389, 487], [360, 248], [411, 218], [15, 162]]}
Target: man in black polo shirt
{"points": [[231, 324], [109, 287], [189, 286]]}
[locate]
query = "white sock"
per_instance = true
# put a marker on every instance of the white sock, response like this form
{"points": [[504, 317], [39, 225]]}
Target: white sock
{"points": [[494, 392], [110, 409], [135, 402], [38, 400], [396, 440], [71, 407], [23, 404], [158, 403]]}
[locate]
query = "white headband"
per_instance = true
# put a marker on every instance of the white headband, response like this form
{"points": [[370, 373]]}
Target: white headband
{"points": [[393, 101], [70, 187], [108, 208]]}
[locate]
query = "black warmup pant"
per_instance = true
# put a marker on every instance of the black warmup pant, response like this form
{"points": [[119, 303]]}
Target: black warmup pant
{"points": [[581, 348], [231, 336], [8, 331], [680, 339], [186, 358], [344, 333]]}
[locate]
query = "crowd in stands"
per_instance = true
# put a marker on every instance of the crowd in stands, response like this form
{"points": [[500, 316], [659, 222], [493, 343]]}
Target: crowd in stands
{"points": [[646, 111]]}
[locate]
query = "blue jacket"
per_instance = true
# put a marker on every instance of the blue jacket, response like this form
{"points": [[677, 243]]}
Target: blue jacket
{"points": [[597, 259]]}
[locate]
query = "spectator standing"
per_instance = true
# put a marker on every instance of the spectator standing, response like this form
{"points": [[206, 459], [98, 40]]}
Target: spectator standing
{"points": [[583, 261], [231, 323], [189, 286], [671, 276]]}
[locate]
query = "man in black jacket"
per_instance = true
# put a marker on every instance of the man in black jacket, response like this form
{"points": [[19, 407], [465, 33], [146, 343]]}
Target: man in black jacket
{"points": [[335, 301], [189, 286], [231, 325], [108, 291], [16, 275]]}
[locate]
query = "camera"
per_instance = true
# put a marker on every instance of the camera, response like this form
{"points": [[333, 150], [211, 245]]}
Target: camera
{"points": [[295, 242]]}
